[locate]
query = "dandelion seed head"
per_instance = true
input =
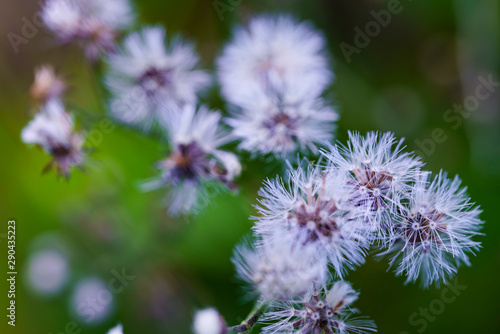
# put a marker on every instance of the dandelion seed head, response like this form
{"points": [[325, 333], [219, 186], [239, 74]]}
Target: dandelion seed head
{"points": [[276, 87], [308, 210], [277, 267], [272, 52], [149, 77], [92, 23], [378, 172], [325, 311], [429, 243]]}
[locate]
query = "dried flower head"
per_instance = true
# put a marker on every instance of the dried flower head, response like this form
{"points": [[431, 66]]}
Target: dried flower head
{"points": [[53, 129], [432, 234], [278, 267], [274, 73], [273, 124], [195, 158], [270, 54], [323, 311], [148, 78], [378, 173], [93, 23], [311, 208]]}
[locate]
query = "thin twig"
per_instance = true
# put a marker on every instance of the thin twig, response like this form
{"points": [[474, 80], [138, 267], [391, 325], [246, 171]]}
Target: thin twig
{"points": [[251, 320]]}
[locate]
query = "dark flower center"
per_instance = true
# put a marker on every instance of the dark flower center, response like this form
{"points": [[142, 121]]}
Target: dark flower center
{"points": [[60, 151], [154, 78], [371, 187], [420, 228], [189, 160]]}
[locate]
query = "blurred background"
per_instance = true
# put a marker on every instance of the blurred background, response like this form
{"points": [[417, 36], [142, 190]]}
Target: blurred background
{"points": [[97, 234]]}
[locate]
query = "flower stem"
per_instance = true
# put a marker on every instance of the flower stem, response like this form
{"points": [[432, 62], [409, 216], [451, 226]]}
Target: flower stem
{"points": [[251, 320]]}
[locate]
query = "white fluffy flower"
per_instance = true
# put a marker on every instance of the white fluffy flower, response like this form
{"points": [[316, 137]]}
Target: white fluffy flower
{"points": [[433, 234], [94, 23], [274, 73], [209, 321], [271, 53], [278, 267], [52, 129], [272, 124], [323, 311], [116, 330], [195, 159], [148, 78], [311, 208], [378, 173]]}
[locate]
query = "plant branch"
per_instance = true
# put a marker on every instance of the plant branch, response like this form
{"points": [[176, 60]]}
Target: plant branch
{"points": [[252, 319]]}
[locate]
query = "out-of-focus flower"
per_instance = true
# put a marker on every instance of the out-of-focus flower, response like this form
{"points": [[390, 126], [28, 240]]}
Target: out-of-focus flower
{"points": [[48, 272], [274, 72], [195, 159], [433, 233], [53, 129], [271, 54], [147, 78], [47, 84], [378, 173], [312, 209], [209, 321], [116, 330], [92, 302], [273, 124], [279, 267], [323, 311], [93, 23]]}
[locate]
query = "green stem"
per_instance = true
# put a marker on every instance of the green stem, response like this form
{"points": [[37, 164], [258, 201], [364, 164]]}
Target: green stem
{"points": [[251, 320], [95, 70]]}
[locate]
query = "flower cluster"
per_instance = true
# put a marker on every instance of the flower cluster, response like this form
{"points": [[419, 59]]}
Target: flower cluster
{"points": [[313, 225], [368, 193], [274, 73], [152, 83]]}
